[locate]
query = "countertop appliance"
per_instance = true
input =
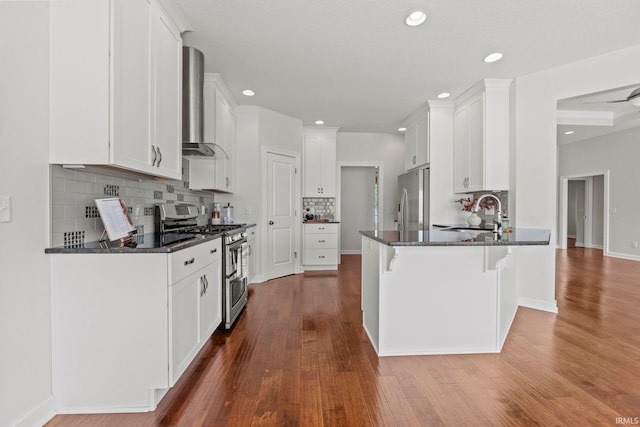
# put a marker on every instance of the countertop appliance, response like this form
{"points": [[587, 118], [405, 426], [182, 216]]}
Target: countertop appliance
{"points": [[413, 206], [174, 220]]}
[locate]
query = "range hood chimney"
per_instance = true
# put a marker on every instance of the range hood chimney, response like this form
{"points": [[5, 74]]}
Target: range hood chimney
{"points": [[193, 143]]}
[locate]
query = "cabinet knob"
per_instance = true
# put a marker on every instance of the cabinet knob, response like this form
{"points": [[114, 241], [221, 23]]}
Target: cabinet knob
{"points": [[270, 222]]}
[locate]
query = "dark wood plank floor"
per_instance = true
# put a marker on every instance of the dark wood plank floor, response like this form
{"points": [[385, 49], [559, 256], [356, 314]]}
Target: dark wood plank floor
{"points": [[299, 357]]}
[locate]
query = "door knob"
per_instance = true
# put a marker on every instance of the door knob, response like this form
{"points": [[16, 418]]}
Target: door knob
{"points": [[270, 222]]}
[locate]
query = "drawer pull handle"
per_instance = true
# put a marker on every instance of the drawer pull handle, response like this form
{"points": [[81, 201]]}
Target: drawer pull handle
{"points": [[189, 261], [213, 251], [321, 256], [321, 241]]}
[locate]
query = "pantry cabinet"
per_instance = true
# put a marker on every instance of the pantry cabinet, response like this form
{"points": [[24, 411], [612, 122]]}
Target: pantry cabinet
{"points": [[115, 86], [481, 138], [320, 162]]}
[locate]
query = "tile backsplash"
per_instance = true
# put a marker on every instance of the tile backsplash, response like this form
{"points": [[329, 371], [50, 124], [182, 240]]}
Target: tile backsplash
{"points": [[323, 206], [74, 216]]}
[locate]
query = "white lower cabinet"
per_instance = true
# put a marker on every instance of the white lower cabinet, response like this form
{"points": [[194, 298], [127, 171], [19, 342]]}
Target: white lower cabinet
{"points": [[126, 326], [320, 246]]}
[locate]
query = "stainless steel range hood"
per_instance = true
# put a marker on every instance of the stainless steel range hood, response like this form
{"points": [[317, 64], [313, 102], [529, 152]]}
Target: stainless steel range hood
{"points": [[193, 143]]}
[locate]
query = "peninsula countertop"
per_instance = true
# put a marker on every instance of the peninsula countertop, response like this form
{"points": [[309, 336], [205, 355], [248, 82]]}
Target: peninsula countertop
{"points": [[459, 237]]}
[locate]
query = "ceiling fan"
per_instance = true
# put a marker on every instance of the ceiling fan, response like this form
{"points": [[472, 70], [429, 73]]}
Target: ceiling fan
{"points": [[633, 98]]}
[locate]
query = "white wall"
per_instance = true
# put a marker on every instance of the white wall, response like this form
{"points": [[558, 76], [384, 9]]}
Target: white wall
{"points": [[25, 358], [373, 148], [618, 153], [257, 127], [357, 202], [535, 153]]}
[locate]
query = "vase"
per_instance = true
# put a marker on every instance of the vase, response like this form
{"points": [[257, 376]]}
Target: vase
{"points": [[474, 219]]}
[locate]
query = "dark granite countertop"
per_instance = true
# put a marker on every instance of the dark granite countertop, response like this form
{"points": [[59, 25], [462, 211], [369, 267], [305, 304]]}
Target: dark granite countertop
{"points": [[315, 221], [473, 237], [143, 244]]}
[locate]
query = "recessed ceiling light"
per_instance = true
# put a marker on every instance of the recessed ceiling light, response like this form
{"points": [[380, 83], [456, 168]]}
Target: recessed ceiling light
{"points": [[415, 18], [569, 132], [493, 57], [444, 95], [248, 92], [319, 122], [402, 129]]}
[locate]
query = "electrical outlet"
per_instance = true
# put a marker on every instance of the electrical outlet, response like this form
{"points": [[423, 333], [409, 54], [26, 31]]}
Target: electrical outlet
{"points": [[247, 210], [634, 243]]}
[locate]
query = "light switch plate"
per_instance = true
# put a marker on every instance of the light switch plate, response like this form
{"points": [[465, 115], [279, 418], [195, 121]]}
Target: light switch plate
{"points": [[5, 209]]}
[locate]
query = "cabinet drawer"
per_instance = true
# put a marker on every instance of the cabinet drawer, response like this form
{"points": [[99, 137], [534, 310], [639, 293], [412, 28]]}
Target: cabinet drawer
{"points": [[320, 228], [192, 259], [321, 241], [320, 256]]}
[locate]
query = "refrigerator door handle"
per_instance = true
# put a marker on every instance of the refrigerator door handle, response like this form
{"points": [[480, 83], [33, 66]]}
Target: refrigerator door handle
{"points": [[401, 216], [403, 209]]}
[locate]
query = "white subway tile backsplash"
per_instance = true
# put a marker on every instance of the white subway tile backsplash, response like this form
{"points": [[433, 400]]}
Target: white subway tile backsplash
{"points": [[73, 197], [57, 184], [57, 212], [63, 199]]}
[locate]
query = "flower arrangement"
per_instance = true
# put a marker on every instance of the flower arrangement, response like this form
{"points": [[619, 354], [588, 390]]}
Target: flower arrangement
{"points": [[467, 203]]}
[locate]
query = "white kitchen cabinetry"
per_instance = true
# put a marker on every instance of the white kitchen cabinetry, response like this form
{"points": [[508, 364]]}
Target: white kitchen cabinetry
{"points": [[251, 262], [195, 302], [205, 173], [115, 86], [125, 326], [416, 139], [320, 246], [481, 138], [320, 162]]}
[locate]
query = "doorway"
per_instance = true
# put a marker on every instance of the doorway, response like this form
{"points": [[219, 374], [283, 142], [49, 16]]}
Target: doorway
{"points": [[584, 219], [358, 203]]}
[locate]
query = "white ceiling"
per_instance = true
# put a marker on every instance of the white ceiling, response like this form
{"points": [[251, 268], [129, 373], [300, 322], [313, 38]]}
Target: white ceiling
{"points": [[357, 66]]}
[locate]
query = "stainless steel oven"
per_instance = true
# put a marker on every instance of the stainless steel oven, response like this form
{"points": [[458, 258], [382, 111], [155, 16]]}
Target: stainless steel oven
{"points": [[175, 222], [234, 290]]}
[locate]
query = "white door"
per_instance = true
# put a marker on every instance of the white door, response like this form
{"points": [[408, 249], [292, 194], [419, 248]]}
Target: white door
{"points": [[281, 215]]}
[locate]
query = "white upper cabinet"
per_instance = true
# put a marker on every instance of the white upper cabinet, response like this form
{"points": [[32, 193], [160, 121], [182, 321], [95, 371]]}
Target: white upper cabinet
{"points": [[320, 162], [115, 85], [205, 173], [481, 138], [416, 139]]}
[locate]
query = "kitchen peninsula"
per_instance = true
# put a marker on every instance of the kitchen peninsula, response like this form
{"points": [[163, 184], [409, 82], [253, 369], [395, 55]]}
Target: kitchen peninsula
{"points": [[441, 291]]}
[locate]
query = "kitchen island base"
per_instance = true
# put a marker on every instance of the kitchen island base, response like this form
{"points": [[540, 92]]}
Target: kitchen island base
{"points": [[420, 300]]}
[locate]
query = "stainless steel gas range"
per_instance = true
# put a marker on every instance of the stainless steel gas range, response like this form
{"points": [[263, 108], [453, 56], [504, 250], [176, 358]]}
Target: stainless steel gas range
{"points": [[174, 221]]}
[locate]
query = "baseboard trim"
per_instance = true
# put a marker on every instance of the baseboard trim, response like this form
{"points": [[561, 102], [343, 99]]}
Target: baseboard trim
{"points": [[623, 256], [38, 416], [551, 307], [351, 252]]}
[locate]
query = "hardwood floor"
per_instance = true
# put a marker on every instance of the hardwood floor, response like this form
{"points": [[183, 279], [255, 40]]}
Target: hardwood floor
{"points": [[299, 357]]}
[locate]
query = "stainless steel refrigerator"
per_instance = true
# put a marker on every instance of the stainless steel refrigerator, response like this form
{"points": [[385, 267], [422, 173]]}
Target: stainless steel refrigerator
{"points": [[413, 206]]}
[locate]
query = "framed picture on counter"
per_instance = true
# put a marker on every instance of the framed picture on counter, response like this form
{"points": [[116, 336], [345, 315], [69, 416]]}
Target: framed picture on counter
{"points": [[115, 217]]}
